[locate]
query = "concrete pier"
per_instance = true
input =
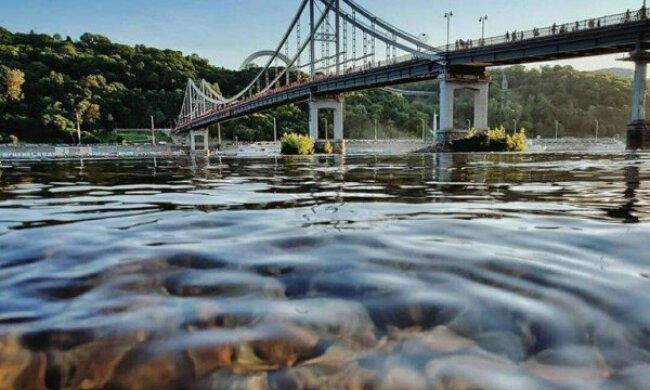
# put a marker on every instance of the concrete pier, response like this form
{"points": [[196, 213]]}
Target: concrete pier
{"points": [[206, 137], [638, 130], [480, 85], [333, 103]]}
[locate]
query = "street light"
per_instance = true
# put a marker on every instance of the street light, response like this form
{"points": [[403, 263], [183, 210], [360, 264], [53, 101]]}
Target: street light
{"points": [[469, 124], [424, 128], [275, 130], [448, 16], [482, 20], [597, 128], [376, 125]]}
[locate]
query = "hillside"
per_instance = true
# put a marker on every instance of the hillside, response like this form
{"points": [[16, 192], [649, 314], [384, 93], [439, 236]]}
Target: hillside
{"points": [[617, 72], [47, 81]]}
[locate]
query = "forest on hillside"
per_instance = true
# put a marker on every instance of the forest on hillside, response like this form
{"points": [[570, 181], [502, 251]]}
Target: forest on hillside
{"points": [[47, 82]]}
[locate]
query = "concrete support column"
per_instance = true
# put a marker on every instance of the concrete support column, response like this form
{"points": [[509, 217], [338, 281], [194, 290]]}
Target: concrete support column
{"points": [[638, 130], [639, 92], [206, 141], [478, 83], [481, 103], [205, 134], [192, 141], [338, 122], [315, 105], [446, 104], [313, 119]]}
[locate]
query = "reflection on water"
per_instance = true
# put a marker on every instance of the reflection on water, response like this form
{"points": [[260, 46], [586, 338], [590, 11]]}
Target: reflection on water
{"points": [[444, 271]]}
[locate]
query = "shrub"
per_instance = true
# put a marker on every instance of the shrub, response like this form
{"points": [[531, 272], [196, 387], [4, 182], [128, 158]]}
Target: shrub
{"points": [[328, 148], [517, 142], [297, 145], [491, 140]]}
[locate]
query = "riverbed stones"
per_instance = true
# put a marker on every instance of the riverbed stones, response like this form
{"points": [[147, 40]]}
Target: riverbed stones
{"points": [[223, 380], [635, 377], [87, 367], [403, 378], [571, 366], [286, 345], [222, 284], [143, 369], [336, 321], [209, 359], [504, 344], [20, 368], [460, 372], [440, 339]]}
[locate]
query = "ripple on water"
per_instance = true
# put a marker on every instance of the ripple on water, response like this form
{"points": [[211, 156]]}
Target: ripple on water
{"points": [[447, 271]]}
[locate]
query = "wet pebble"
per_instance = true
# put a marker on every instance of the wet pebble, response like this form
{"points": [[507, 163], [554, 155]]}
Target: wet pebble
{"points": [[403, 378], [19, 367], [227, 380], [142, 369], [504, 344], [87, 367]]}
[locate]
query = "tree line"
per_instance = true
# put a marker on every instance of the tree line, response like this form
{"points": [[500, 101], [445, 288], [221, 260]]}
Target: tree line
{"points": [[48, 83]]}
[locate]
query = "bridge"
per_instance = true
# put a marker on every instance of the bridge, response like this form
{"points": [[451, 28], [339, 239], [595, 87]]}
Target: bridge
{"points": [[359, 50]]}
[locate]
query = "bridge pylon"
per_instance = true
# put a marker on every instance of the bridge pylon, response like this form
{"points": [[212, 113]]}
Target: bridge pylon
{"points": [[334, 103], [205, 134], [638, 130], [452, 80]]}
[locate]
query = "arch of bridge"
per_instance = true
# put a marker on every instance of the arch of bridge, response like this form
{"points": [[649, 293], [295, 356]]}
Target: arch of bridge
{"points": [[264, 53]]}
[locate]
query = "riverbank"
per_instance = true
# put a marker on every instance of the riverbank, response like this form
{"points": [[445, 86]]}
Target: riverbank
{"points": [[34, 151], [354, 147], [572, 144]]}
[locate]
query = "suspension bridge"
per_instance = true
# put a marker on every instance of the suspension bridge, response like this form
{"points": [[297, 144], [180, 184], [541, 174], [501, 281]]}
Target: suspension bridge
{"points": [[336, 46]]}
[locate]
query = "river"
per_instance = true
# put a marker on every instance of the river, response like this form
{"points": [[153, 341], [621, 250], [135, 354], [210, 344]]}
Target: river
{"points": [[361, 272]]}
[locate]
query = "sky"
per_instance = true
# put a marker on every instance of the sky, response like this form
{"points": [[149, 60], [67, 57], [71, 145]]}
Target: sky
{"points": [[227, 31]]}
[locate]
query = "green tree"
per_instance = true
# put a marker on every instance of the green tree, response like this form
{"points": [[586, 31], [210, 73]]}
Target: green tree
{"points": [[13, 83]]}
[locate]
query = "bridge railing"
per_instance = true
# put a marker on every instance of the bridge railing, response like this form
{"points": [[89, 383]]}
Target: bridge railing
{"points": [[554, 30]]}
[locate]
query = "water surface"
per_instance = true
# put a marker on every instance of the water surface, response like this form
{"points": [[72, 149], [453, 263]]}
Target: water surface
{"points": [[434, 271]]}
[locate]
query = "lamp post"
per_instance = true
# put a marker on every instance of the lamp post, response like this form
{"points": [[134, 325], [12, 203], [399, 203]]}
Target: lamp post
{"points": [[275, 130], [557, 127], [79, 128], [597, 128], [469, 124], [515, 131], [482, 20], [153, 131], [376, 125], [448, 16], [424, 128]]}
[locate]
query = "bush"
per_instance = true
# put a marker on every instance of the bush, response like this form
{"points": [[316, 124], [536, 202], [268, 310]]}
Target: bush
{"points": [[517, 142], [328, 148], [491, 140], [297, 145]]}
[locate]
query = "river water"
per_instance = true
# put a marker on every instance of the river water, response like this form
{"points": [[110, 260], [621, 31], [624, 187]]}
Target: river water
{"points": [[360, 272]]}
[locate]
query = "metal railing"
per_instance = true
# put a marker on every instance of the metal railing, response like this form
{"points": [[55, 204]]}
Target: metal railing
{"points": [[554, 30]]}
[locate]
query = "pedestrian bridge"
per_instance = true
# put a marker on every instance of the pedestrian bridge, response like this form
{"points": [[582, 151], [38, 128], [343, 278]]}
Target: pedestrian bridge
{"points": [[344, 48]]}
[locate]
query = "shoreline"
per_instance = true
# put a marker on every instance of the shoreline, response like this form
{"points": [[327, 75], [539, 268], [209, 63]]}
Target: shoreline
{"points": [[260, 149]]}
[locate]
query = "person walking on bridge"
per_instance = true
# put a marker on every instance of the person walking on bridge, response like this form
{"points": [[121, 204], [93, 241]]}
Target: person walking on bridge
{"points": [[554, 28]]}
